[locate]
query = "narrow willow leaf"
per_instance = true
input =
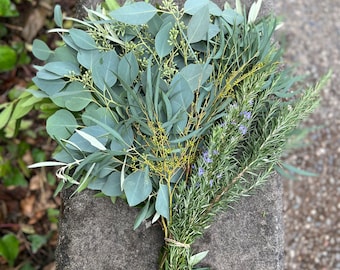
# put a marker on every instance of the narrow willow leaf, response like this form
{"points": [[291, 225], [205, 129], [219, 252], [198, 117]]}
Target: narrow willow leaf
{"points": [[195, 259], [254, 11], [112, 4], [192, 7], [137, 13], [89, 139], [46, 164], [142, 215], [82, 39], [85, 181], [61, 124], [295, 170], [199, 25], [137, 187], [239, 8], [155, 217], [163, 48], [163, 201], [40, 50], [92, 140], [59, 188], [58, 16]]}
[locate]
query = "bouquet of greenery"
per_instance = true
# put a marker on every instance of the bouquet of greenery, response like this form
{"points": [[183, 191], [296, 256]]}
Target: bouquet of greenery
{"points": [[178, 111]]}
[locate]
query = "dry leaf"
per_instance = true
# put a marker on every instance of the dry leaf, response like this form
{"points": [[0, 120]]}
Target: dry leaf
{"points": [[27, 205]]}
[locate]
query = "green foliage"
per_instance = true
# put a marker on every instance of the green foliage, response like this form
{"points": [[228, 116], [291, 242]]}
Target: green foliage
{"points": [[37, 241], [179, 111], [9, 248], [8, 58], [7, 9], [12, 113]]}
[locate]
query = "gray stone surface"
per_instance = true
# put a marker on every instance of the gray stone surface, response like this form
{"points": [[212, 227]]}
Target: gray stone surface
{"points": [[95, 234], [249, 236]]}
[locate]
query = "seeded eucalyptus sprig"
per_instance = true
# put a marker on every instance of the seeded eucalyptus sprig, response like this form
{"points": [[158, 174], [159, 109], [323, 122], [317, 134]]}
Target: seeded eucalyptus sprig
{"points": [[178, 111]]}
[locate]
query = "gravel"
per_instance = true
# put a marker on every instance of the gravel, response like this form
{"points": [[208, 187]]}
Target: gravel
{"points": [[311, 34]]}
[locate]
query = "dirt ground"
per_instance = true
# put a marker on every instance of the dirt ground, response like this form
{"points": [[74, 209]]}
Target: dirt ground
{"points": [[312, 205]]}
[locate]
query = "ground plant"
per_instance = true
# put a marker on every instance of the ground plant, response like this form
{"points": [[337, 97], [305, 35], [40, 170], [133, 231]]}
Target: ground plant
{"points": [[179, 111]]}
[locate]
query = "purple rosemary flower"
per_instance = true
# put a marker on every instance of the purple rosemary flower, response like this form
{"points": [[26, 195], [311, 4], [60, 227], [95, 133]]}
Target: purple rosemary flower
{"points": [[215, 152], [246, 114], [243, 129], [200, 171], [206, 157], [211, 183]]}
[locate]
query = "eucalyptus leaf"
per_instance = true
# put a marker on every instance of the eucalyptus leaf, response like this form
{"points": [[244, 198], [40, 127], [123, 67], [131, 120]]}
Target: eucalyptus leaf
{"points": [[82, 39], [232, 17], [112, 185], [142, 215], [70, 43], [193, 6], [128, 68], [46, 75], [137, 187], [181, 90], [104, 70], [101, 114], [62, 68], [196, 75], [163, 201], [127, 134], [199, 25], [155, 24], [97, 184], [64, 54], [163, 48], [88, 59], [214, 9], [58, 16], [74, 97], [111, 131], [50, 87], [61, 124], [40, 50], [136, 14]]}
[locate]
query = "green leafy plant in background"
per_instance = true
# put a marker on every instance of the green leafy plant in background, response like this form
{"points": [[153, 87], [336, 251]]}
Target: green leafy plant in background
{"points": [[178, 111], [9, 248]]}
